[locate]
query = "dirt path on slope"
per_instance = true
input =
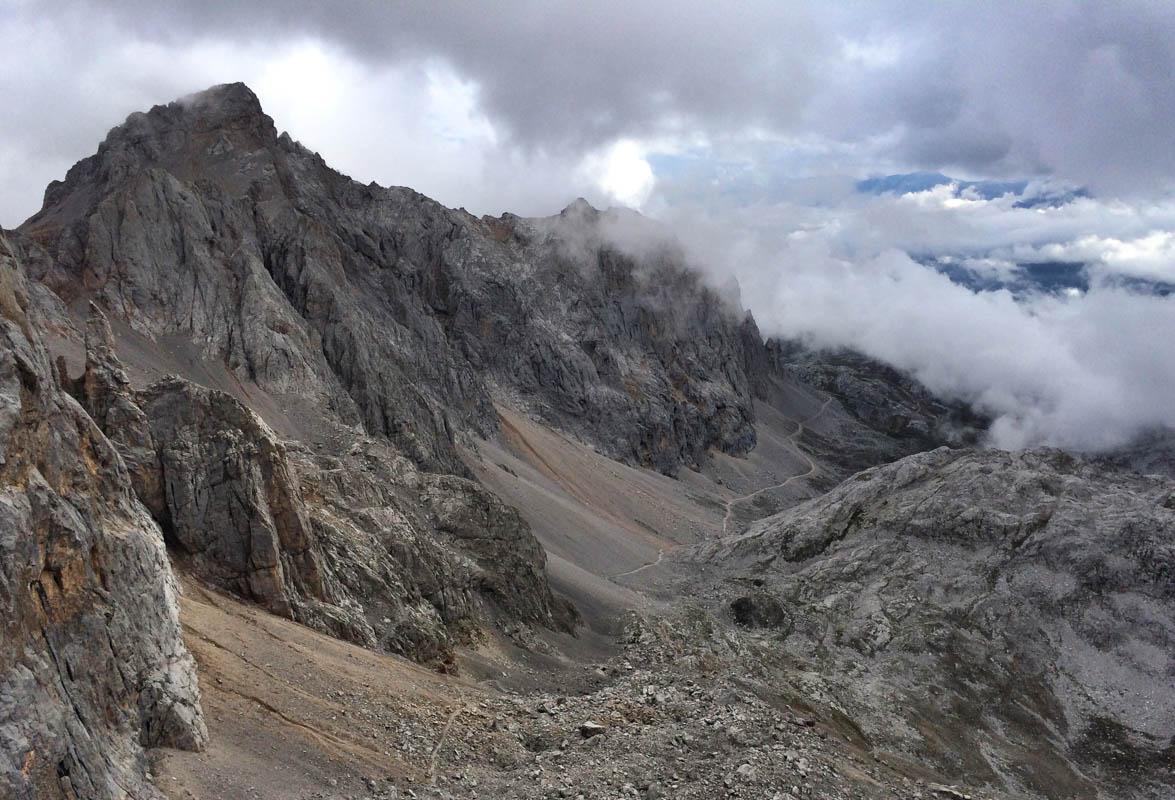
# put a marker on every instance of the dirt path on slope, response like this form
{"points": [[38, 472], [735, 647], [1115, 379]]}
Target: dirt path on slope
{"points": [[794, 439], [642, 567]]}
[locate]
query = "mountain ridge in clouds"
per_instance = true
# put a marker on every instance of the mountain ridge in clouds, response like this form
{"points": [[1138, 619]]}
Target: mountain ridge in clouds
{"points": [[639, 355], [479, 442], [1047, 318], [816, 274]]}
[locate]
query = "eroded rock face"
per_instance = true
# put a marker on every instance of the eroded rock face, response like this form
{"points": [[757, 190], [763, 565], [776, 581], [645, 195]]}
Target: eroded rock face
{"points": [[1015, 612], [93, 666], [907, 417], [377, 304], [230, 502], [629, 351], [361, 545]]}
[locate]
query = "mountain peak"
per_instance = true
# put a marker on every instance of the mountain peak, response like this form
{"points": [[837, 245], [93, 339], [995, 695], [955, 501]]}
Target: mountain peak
{"points": [[223, 102], [217, 133], [226, 106], [579, 207]]}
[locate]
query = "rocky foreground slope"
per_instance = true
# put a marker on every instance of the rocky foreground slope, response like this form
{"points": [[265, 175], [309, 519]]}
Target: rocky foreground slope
{"points": [[1009, 617]]}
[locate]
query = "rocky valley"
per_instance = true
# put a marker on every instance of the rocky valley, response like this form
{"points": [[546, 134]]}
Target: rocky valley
{"points": [[315, 489]]}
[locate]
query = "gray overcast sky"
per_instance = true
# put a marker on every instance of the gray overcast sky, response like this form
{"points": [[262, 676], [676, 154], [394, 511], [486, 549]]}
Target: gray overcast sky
{"points": [[518, 105], [743, 127]]}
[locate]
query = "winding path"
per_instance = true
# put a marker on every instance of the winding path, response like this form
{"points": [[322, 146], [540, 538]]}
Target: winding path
{"points": [[793, 438], [660, 555], [432, 761]]}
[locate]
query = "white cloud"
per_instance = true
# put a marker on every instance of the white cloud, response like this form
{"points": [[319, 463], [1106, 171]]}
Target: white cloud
{"points": [[622, 173], [1150, 256], [1081, 370]]}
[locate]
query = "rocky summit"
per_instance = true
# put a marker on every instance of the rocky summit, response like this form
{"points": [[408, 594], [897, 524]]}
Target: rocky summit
{"points": [[315, 489]]}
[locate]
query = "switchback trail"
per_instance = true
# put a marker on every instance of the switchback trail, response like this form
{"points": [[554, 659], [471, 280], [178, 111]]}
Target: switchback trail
{"points": [[794, 439], [660, 555]]}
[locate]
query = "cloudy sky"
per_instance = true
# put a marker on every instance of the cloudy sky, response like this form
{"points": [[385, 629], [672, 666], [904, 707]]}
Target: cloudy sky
{"points": [[745, 131]]}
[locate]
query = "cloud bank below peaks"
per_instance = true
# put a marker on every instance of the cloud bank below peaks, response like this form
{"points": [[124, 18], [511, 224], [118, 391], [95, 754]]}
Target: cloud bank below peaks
{"points": [[1086, 370]]}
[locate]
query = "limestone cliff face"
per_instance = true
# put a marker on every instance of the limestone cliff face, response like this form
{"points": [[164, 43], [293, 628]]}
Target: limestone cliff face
{"points": [[93, 666], [197, 219], [361, 545]]}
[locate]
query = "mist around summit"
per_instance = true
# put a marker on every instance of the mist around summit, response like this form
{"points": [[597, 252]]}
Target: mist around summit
{"points": [[829, 162]]}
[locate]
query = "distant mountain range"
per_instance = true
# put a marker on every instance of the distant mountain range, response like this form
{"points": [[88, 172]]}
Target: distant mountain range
{"points": [[1037, 277]]}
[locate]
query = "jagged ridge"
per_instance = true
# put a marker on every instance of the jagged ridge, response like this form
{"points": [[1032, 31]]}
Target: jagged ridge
{"points": [[380, 305]]}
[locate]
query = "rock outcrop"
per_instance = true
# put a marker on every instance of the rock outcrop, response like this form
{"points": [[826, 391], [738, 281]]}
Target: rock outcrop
{"points": [[93, 667], [1009, 616], [362, 545]]}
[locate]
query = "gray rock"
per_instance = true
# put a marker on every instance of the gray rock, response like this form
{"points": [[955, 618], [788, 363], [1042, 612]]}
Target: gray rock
{"points": [[365, 546], [93, 666], [589, 729], [972, 606]]}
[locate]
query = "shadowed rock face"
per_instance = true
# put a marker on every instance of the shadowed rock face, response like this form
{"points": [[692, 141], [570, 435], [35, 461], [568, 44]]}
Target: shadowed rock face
{"points": [[1017, 611], [363, 546], [92, 666], [759, 609], [908, 417], [196, 218]]}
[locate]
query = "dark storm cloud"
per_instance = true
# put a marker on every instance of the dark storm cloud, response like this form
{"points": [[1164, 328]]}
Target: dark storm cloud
{"points": [[1080, 89], [554, 73]]}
